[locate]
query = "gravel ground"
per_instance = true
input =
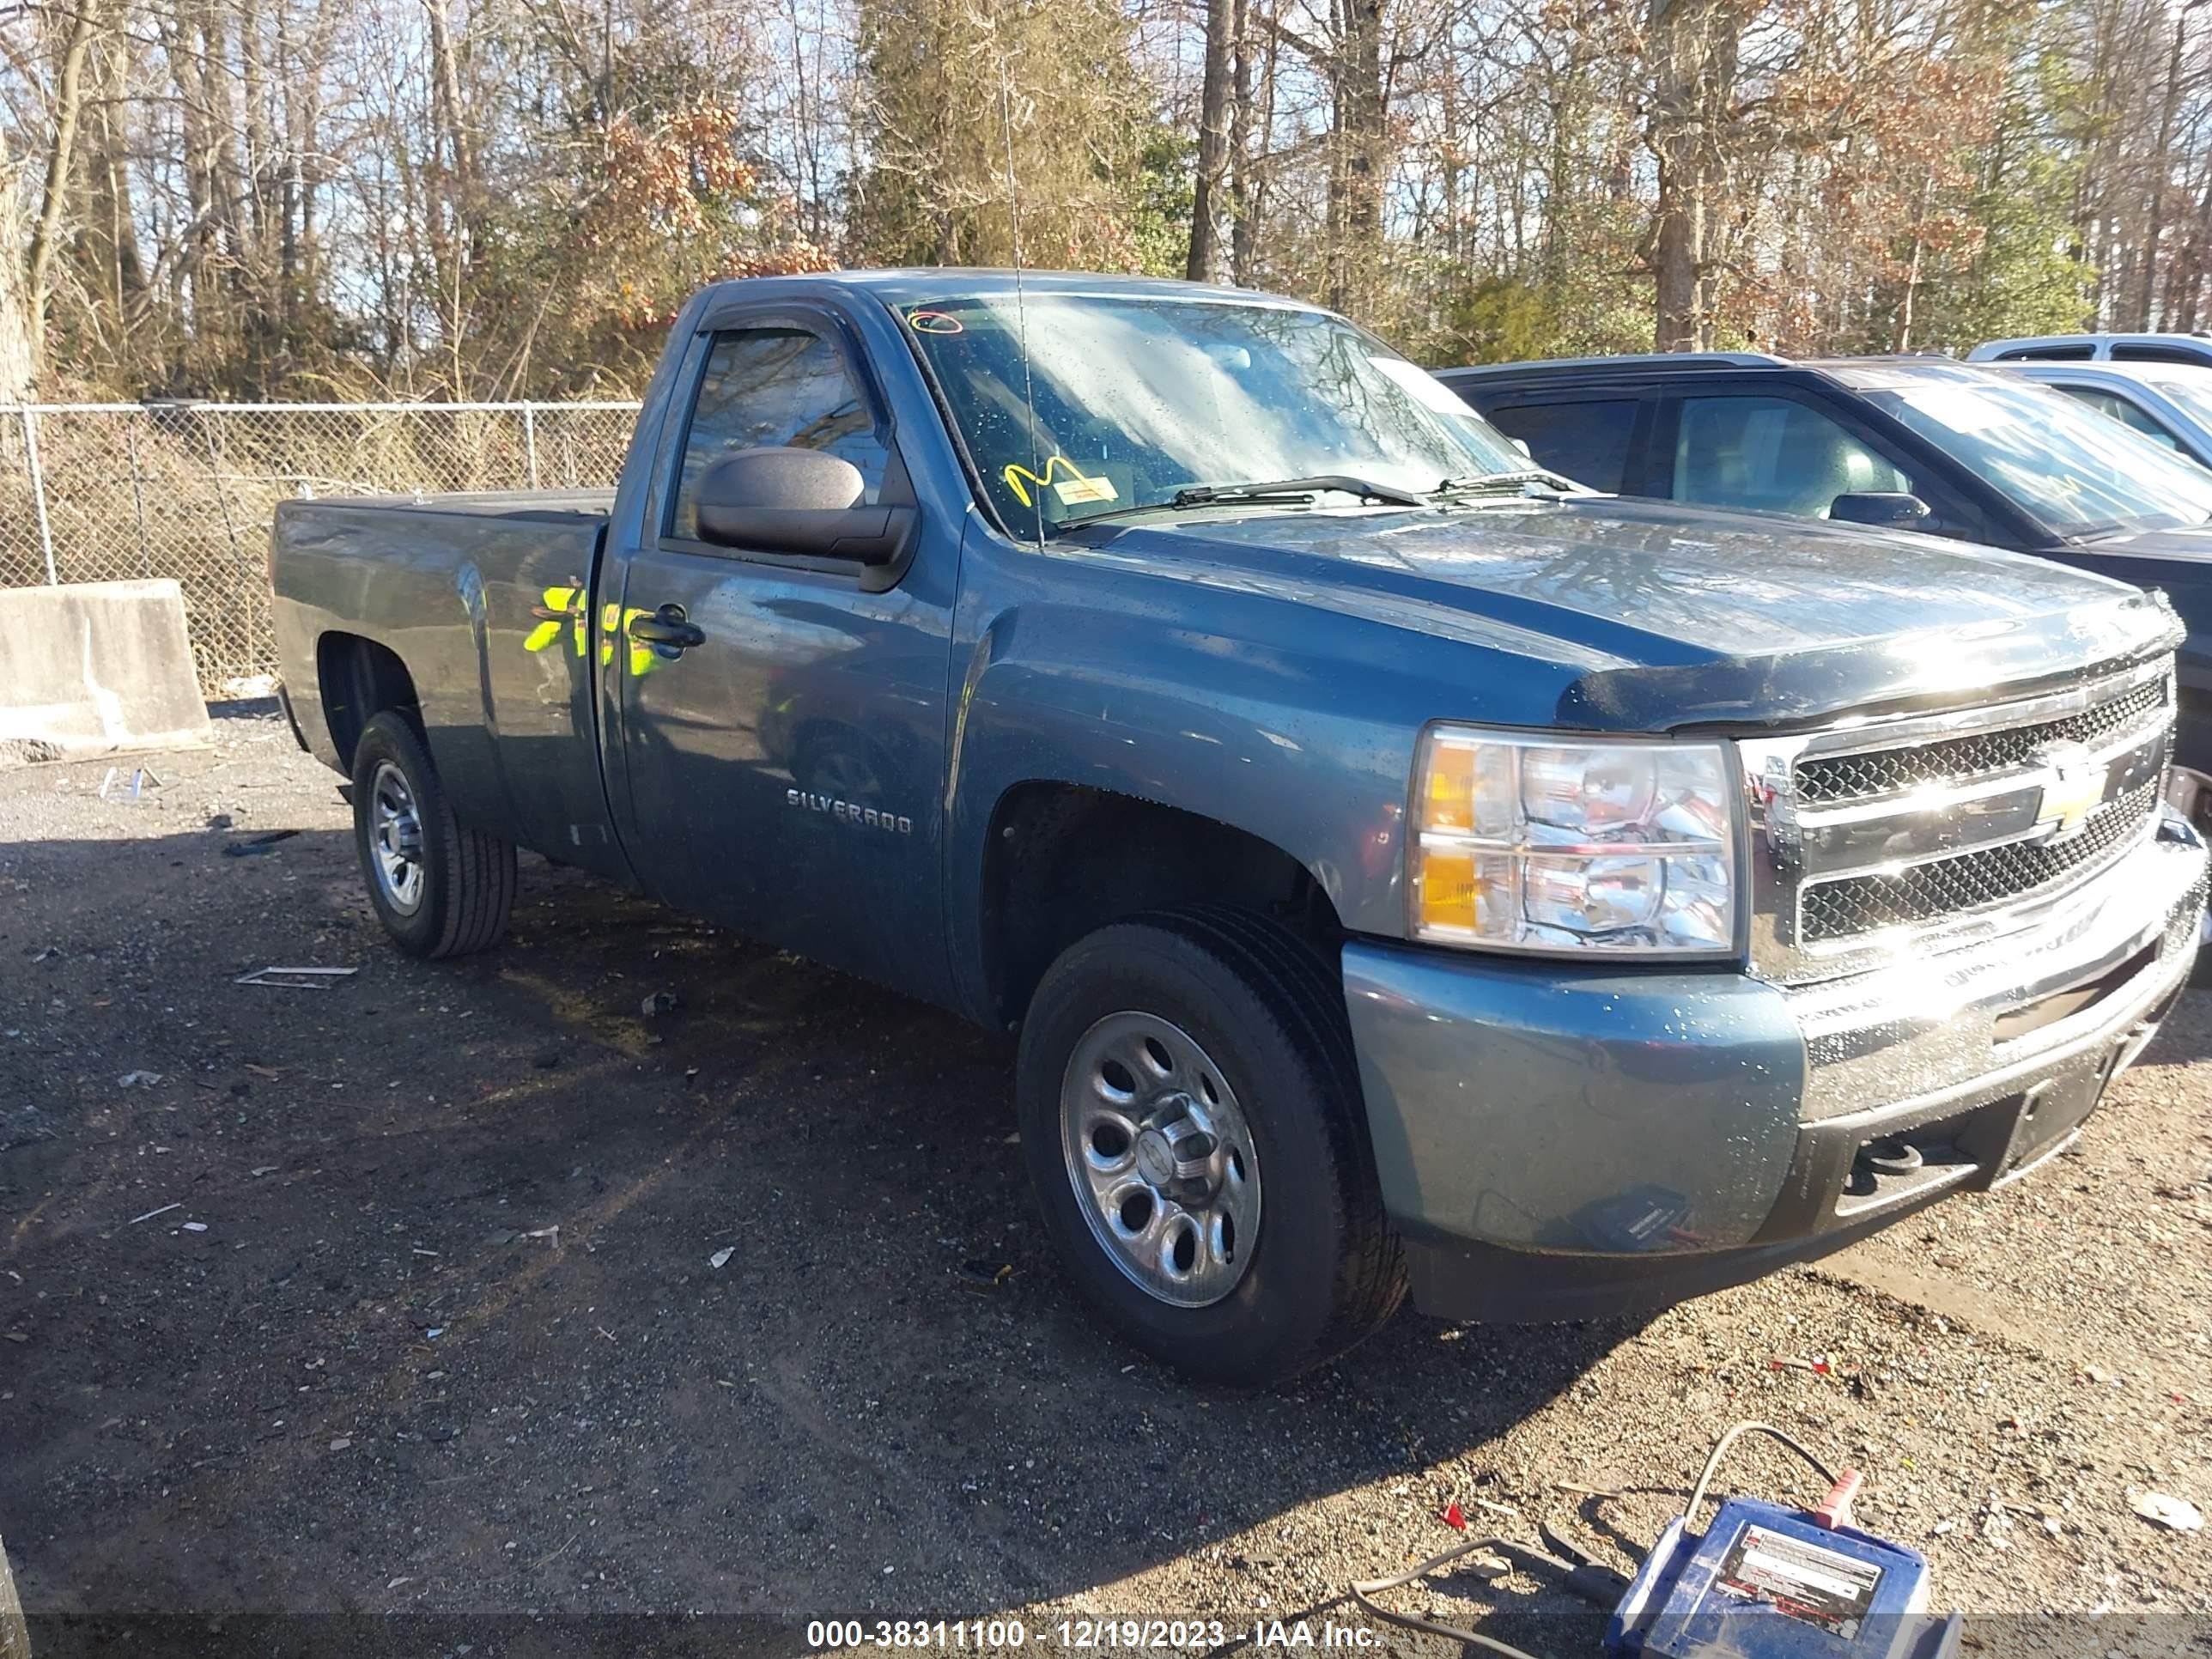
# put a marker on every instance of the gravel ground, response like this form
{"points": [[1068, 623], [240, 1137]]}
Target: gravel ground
{"points": [[403, 1296]]}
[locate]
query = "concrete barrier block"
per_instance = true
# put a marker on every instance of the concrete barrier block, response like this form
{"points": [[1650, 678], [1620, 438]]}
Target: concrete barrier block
{"points": [[95, 667]]}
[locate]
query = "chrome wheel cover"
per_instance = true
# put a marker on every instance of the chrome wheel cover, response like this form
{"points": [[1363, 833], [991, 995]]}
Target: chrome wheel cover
{"points": [[395, 839], [1161, 1159]]}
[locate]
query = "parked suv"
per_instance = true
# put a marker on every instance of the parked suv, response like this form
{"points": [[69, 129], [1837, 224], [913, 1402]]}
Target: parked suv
{"points": [[1907, 443], [2098, 348]]}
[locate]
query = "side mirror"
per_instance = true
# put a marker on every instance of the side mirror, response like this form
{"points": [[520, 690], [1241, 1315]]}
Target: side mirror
{"points": [[1881, 509], [806, 501]]}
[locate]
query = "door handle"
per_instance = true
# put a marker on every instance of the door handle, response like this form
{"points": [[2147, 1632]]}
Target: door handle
{"points": [[666, 627]]}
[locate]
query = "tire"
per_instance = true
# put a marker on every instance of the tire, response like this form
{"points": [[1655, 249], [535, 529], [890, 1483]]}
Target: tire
{"points": [[446, 891], [1261, 1063]]}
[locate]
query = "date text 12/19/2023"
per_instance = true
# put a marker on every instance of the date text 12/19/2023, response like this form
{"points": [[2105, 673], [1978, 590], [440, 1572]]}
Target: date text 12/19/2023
{"points": [[1085, 1635]]}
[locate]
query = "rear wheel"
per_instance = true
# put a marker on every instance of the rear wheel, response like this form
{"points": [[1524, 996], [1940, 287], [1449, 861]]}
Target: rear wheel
{"points": [[439, 889], [1190, 1115]]}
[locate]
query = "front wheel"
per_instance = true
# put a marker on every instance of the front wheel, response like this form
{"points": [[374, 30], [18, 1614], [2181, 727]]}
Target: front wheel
{"points": [[439, 889], [1190, 1115]]}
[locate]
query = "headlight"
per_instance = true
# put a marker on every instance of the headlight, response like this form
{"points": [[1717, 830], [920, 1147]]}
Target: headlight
{"points": [[1522, 843]]}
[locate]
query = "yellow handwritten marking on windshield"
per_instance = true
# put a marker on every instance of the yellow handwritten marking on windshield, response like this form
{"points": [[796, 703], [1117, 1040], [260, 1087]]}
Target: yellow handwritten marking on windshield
{"points": [[1073, 488]]}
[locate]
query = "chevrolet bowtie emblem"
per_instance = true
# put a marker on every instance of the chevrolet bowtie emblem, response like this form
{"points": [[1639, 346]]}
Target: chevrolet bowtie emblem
{"points": [[2073, 789]]}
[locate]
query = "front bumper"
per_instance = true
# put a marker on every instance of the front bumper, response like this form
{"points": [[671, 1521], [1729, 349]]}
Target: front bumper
{"points": [[1556, 1141]]}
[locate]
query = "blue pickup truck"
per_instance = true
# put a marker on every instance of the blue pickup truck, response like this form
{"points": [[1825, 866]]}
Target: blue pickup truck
{"points": [[1404, 871]]}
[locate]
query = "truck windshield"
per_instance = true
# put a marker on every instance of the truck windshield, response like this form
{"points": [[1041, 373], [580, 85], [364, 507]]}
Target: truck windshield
{"points": [[2080, 473], [1140, 398]]}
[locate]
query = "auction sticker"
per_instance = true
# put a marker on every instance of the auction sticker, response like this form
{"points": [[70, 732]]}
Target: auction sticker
{"points": [[1821, 1587]]}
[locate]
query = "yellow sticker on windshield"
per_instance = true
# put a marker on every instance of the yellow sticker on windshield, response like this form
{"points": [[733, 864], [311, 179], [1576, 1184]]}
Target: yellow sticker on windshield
{"points": [[1073, 487]]}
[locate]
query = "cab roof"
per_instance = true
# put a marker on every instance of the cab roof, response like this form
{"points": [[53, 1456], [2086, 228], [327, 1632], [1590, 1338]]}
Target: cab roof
{"points": [[928, 284]]}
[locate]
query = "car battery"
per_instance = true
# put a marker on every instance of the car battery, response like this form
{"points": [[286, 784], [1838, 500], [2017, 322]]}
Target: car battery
{"points": [[1767, 1583]]}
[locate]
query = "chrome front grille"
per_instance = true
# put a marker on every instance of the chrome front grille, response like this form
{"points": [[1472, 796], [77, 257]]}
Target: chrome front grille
{"points": [[1933, 892], [1889, 833], [1892, 771]]}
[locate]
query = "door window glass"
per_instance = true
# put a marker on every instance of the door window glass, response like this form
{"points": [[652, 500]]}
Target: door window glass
{"points": [[775, 386], [1773, 454], [2111, 403], [1586, 439]]}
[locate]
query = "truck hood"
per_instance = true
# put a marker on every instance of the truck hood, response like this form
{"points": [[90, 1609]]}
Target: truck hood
{"points": [[1673, 616], [2191, 546]]}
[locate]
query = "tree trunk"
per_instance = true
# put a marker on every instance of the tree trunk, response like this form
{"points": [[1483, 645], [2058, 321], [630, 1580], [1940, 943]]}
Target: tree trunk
{"points": [[1694, 49], [1247, 175], [2160, 179], [1904, 342], [18, 359], [46, 233], [114, 230], [1207, 244], [1361, 147]]}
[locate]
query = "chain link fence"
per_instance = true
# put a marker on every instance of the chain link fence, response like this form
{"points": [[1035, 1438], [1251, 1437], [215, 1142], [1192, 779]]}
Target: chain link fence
{"points": [[104, 492]]}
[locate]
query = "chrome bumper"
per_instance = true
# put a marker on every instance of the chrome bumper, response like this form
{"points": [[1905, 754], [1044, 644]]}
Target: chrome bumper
{"points": [[1923, 1026], [1556, 1142]]}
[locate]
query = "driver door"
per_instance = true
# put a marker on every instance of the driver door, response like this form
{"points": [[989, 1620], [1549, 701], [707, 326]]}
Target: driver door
{"points": [[784, 765]]}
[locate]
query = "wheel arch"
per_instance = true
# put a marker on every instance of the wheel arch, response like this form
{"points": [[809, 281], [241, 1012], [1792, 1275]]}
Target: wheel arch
{"points": [[358, 678], [1061, 859]]}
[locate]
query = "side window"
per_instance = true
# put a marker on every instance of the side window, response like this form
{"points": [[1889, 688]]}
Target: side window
{"points": [[1587, 439], [1774, 455], [2108, 403], [769, 386], [2073, 353], [2154, 353]]}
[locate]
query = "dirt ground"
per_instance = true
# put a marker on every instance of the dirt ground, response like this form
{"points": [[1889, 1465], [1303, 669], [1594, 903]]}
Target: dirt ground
{"points": [[468, 1290]]}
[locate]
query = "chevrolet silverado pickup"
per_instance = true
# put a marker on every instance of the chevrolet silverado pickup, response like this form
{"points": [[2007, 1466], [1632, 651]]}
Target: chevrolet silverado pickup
{"points": [[1404, 870]]}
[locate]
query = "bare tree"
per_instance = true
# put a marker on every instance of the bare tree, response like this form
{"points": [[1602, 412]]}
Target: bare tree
{"points": [[1209, 185]]}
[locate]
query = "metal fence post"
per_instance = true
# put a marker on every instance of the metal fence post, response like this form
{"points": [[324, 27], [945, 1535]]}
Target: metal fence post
{"points": [[530, 439], [39, 492]]}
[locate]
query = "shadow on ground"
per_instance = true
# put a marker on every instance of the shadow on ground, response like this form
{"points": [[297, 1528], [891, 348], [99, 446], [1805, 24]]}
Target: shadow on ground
{"points": [[471, 1287]]}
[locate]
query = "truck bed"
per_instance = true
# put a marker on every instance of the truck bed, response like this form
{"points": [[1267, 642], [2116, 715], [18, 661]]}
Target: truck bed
{"points": [[541, 506], [486, 598]]}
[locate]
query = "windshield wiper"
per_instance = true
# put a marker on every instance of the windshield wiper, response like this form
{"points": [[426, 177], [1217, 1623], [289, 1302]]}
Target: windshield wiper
{"points": [[1488, 483], [1193, 495], [1207, 495]]}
